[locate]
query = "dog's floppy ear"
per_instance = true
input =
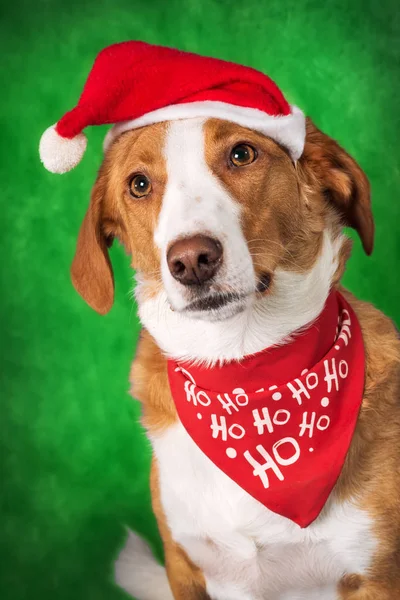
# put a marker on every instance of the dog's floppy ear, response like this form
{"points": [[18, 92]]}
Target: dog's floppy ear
{"points": [[91, 270], [342, 182]]}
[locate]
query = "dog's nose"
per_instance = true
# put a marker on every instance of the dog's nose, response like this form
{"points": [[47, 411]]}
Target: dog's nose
{"points": [[194, 260]]}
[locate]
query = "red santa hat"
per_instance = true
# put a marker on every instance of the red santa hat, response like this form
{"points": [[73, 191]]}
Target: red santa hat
{"points": [[133, 84]]}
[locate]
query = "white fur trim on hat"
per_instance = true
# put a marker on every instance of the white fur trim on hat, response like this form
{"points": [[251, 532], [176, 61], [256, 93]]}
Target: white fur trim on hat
{"points": [[288, 130], [59, 154]]}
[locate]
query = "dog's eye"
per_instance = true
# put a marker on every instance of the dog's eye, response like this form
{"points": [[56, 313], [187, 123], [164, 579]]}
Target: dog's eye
{"points": [[242, 155], [139, 186]]}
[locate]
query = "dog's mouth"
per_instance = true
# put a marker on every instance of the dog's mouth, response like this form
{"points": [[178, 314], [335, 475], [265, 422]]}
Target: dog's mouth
{"points": [[214, 302], [227, 302]]}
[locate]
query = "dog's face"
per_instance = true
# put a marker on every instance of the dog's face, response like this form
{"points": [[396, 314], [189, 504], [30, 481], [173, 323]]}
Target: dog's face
{"points": [[217, 218]]}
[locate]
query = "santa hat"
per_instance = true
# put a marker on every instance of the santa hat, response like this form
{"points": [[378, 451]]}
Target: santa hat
{"points": [[133, 84]]}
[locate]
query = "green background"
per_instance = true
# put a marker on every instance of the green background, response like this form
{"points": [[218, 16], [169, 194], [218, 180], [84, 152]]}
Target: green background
{"points": [[74, 461]]}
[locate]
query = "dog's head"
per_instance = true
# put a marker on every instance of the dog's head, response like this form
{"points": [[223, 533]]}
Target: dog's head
{"points": [[219, 221]]}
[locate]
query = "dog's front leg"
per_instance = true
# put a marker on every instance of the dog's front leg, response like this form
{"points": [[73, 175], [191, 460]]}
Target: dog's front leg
{"points": [[186, 580]]}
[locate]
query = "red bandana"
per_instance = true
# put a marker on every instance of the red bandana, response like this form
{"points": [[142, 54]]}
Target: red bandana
{"points": [[280, 422]]}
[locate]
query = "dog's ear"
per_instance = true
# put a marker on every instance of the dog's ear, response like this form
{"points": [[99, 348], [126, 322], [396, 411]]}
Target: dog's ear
{"points": [[342, 182], [91, 270]]}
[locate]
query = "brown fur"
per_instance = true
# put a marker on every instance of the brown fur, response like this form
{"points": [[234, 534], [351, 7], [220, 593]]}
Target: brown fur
{"points": [[113, 213], [268, 190], [286, 208], [341, 180], [372, 469]]}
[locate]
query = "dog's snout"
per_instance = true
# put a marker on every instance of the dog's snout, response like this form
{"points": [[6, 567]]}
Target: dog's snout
{"points": [[194, 260]]}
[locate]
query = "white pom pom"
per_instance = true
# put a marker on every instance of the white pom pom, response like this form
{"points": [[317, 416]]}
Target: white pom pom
{"points": [[59, 154]]}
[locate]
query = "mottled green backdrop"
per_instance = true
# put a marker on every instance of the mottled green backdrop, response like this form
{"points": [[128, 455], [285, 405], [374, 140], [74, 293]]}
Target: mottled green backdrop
{"points": [[74, 461]]}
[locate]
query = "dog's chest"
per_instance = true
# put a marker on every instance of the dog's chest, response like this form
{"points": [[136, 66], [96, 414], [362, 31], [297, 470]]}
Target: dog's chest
{"points": [[245, 551]]}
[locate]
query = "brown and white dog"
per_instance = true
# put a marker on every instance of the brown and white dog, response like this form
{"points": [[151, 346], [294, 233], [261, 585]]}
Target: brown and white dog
{"points": [[235, 248]]}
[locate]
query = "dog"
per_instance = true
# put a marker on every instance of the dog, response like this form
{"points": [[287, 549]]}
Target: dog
{"points": [[237, 248], [217, 543]]}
